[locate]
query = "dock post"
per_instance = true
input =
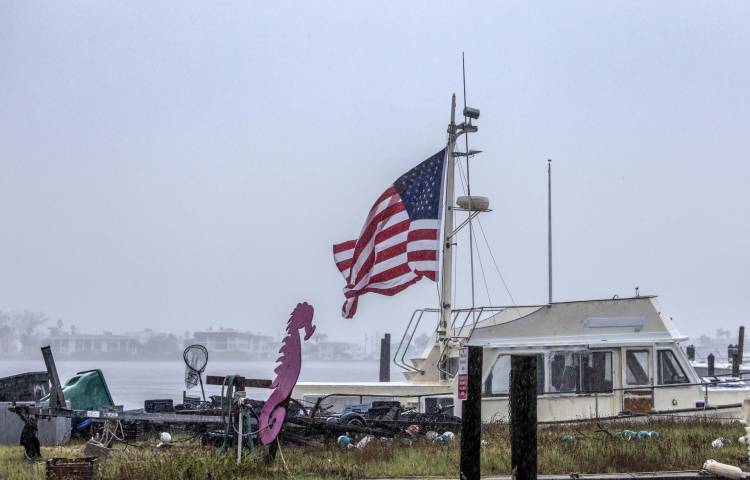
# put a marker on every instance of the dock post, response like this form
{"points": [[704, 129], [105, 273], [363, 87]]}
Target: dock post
{"points": [[471, 418], [523, 417], [741, 343], [385, 358], [690, 350], [736, 365], [710, 365]]}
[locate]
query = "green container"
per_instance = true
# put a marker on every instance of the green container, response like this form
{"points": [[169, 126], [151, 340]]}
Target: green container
{"points": [[87, 390]]}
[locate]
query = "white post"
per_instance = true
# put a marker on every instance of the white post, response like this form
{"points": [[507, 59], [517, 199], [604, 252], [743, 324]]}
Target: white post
{"points": [[447, 269]]}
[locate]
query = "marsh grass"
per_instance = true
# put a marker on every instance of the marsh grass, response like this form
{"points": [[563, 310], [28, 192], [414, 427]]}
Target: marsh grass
{"points": [[682, 445]]}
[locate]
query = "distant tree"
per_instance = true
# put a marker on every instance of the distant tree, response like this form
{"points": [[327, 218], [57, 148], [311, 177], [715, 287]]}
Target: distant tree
{"points": [[161, 347], [723, 334], [7, 339]]}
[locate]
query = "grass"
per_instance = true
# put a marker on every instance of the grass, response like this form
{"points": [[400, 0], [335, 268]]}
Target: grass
{"points": [[682, 445]]}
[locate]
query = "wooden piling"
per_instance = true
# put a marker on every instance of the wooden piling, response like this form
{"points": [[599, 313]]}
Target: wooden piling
{"points": [[523, 418], [691, 352], [710, 365], [736, 365], [741, 344], [385, 358], [471, 418]]}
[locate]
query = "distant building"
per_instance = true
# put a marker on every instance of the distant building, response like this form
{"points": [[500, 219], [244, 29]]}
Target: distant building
{"points": [[105, 343], [229, 340]]}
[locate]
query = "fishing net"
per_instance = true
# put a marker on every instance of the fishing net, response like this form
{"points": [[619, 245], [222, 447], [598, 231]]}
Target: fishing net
{"points": [[196, 358]]}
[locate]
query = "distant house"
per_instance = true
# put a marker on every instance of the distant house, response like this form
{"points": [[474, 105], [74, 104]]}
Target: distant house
{"points": [[229, 340], [105, 343]]}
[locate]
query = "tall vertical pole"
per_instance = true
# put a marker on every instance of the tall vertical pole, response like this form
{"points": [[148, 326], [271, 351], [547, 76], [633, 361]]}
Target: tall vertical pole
{"points": [[468, 193], [471, 418], [549, 229], [447, 270]]}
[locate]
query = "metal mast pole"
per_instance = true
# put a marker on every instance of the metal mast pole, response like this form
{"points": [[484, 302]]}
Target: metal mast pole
{"points": [[447, 269], [468, 193], [549, 228]]}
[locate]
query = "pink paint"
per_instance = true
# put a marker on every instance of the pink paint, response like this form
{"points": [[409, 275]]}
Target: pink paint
{"points": [[287, 372]]}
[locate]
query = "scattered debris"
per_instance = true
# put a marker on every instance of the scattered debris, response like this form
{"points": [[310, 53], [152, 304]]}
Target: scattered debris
{"points": [[344, 440], [721, 442], [364, 442], [724, 470]]}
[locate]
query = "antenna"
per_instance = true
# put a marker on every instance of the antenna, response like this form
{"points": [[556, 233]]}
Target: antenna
{"points": [[549, 229], [468, 189]]}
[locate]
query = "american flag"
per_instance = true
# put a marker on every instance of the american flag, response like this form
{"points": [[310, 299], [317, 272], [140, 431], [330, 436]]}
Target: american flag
{"points": [[400, 240]]}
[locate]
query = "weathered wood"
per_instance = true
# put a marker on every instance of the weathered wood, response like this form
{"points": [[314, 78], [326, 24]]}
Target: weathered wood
{"points": [[736, 365], [710, 365], [741, 344], [385, 358], [523, 418], [56, 397], [471, 415], [245, 382]]}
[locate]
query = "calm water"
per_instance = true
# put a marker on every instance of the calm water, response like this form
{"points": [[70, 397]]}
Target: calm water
{"points": [[130, 383]]}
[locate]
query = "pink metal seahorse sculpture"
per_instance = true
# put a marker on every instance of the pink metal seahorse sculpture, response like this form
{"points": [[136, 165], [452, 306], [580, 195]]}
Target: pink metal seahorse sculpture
{"points": [[287, 372]]}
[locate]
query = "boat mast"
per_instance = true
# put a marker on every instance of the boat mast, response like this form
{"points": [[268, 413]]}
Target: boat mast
{"points": [[549, 229], [447, 268]]}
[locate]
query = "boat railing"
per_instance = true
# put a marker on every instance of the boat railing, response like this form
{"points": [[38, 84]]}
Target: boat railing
{"points": [[471, 318], [408, 336]]}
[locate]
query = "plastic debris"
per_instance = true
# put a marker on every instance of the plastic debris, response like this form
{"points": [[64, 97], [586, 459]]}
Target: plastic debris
{"points": [[364, 441], [412, 430], [165, 439], [742, 440], [642, 435], [484, 443], [430, 435], [406, 442], [724, 470], [567, 438], [720, 442], [344, 440], [449, 435]]}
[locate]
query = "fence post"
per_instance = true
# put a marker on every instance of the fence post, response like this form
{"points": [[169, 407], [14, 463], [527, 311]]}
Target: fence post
{"points": [[385, 358], [710, 365], [523, 419], [471, 418]]}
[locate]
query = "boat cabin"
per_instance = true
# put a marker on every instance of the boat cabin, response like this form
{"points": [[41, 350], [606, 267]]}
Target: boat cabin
{"points": [[595, 358]]}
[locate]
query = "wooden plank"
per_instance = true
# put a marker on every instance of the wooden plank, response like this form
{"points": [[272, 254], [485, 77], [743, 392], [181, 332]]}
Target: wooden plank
{"points": [[248, 382], [56, 397]]}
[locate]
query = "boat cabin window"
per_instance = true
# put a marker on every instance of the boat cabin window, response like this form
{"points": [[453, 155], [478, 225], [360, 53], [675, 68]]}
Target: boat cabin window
{"points": [[637, 367], [498, 380], [670, 371], [581, 372], [564, 372], [596, 372]]}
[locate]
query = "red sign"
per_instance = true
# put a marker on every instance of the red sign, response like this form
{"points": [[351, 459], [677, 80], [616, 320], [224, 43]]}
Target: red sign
{"points": [[463, 373]]}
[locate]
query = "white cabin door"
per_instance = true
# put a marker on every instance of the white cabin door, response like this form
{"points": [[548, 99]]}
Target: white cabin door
{"points": [[637, 376]]}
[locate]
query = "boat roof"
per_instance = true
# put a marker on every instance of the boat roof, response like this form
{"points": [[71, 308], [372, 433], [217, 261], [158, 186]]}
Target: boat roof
{"points": [[585, 323]]}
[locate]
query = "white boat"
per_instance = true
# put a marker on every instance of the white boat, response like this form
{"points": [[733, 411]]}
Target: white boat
{"points": [[595, 358]]}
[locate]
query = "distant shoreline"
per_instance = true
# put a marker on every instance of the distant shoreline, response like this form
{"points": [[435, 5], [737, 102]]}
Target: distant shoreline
{"points": [[88, 358]]}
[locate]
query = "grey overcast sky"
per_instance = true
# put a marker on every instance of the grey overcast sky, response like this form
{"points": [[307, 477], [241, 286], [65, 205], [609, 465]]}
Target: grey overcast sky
{"points": [[179, 165]]}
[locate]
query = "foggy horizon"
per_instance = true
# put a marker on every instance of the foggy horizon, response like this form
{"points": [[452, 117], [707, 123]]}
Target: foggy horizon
{"points": [[176, 169]]}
